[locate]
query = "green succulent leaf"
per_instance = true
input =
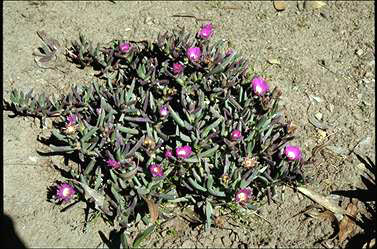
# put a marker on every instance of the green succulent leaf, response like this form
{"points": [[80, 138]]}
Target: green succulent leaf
{"points": [[143, 235], [196, 185], [209, 152]]}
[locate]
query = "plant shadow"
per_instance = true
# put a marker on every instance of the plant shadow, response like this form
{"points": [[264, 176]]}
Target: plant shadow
{"points": [[368, 197]]}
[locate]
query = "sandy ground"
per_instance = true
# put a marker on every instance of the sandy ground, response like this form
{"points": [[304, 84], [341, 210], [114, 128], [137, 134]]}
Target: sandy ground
{"points": [[327, 59]]}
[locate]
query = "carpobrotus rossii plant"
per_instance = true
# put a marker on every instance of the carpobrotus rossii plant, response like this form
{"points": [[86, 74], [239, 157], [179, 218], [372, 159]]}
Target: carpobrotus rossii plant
{"points": [[182, 119]]}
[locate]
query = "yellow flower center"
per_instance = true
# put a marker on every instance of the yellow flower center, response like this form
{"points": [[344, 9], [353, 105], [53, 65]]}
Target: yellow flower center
{"points": [[181, 152], [258, 89], [242, 196], [66, 192], [291, 154]]}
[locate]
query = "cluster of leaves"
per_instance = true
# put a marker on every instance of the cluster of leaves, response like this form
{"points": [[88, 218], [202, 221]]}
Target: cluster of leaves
{"points": [[119, 131]]}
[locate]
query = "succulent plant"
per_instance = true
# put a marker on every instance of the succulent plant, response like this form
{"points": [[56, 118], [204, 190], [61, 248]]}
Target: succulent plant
{"points": [[182, 119]]}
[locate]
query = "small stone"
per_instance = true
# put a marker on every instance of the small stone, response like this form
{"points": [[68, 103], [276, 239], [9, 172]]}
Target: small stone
{"points": [[321, 134], [331, 107], [34, 159], [324, 14], [359, 52], [148, 20], [280, 5], [361, 167]]}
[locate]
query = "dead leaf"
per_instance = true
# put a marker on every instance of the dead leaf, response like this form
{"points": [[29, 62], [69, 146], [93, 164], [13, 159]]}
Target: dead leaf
{"points": [[280, 5], [153, 209], [324, 215], [323, 201], [347, 226], [219, 222]]}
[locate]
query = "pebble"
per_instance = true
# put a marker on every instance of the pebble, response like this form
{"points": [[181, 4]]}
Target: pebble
{"points": [[359, 52], [280, 5], [331, 107], [324, 14], [34, 159]]}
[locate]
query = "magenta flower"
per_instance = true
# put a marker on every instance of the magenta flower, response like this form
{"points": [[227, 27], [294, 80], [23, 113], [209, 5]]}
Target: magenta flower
{"points": [[125, 47], [206, 31], [260, 86], [243, 195], [194, 53], [71, 119], [113, 164], [183, 151], [164, 111], [235, 135], [293, 152], [156, 170], [65, 192], [177, 68], [168, 153]]}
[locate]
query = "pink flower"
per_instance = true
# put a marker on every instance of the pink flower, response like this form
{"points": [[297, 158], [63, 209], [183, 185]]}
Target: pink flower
{"points": [[183, 151], [71, 119], [235, 135], [194, 53], [206, 31], [243, 195], [124, 47], [293, 152], [260, 86], [113, 164], [65, 192], [168, 153], [164, 111], [156, 170], [177, 68]]}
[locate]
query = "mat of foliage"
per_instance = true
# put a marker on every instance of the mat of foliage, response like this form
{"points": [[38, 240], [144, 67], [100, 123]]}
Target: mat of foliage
{"points": [[181, 120]]}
